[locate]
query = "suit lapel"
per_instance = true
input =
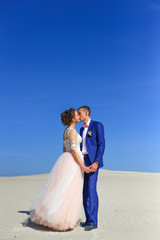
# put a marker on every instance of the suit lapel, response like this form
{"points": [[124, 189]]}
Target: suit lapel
{"points": [[90, 126]]}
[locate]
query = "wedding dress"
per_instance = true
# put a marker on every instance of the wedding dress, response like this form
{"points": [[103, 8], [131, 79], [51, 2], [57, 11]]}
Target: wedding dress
{"points": [[58, 206]]}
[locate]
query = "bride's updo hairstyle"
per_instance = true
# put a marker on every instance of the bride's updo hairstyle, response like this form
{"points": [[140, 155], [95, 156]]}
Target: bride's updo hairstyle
{"points": [[66, 116]]}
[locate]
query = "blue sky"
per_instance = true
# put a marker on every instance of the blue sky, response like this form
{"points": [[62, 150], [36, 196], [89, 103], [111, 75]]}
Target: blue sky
{"points": [[60, 54]]}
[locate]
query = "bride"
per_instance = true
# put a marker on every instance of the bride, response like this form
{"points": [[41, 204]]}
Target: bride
{"points": [[58, 206]]}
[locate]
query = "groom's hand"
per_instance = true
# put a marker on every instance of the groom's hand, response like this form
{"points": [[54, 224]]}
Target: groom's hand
{"points": [[94, 167]]}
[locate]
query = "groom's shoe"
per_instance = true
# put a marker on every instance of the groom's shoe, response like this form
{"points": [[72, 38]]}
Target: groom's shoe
{"points": [[89, 228], [85, 224]]}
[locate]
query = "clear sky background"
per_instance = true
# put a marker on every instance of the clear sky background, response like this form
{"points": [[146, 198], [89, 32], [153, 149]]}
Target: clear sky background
{"points": [[60, 54]]}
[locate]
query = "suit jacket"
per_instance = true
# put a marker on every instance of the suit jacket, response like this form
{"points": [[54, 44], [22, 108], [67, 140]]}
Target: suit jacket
{"points": [[95, 142]]}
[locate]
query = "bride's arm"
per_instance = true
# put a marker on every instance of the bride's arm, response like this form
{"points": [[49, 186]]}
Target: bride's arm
{"points": [[64, 149], [73, 140]]}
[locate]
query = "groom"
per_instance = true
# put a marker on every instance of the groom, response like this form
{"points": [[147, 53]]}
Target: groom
{"points": [[93, 145]]}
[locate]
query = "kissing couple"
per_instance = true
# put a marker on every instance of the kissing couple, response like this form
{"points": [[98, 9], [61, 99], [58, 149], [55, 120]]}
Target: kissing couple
{"points": [[75, 174]]}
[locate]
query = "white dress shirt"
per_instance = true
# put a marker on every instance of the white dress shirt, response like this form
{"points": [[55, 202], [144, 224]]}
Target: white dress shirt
{"points": [[84, 149]]}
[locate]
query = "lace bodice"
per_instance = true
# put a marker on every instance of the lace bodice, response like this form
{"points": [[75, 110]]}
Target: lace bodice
{"points": [[71, 142]]}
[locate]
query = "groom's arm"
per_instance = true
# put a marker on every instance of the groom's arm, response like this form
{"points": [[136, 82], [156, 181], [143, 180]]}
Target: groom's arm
{"points": [[100, 146], [81, 129], [100, 142]]}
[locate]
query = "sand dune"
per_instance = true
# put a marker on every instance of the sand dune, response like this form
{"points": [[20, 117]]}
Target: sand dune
{"points": [[129, 208]]}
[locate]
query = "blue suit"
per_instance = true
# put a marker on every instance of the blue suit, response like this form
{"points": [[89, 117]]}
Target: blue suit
{"points": [[95, 144]]}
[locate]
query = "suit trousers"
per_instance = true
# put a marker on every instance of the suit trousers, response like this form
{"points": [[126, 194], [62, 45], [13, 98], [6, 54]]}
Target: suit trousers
{"points": [[90, 196]]}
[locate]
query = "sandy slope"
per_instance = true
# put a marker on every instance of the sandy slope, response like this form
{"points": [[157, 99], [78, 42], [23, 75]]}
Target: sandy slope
{"points": [[129, 208]]}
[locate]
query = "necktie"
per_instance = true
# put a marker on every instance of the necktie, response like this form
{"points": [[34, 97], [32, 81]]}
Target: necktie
{"points": [[85, 125]]}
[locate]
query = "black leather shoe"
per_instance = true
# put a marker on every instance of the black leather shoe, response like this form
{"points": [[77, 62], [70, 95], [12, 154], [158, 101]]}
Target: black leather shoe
{"points": [[85, 224], [89, 228]]}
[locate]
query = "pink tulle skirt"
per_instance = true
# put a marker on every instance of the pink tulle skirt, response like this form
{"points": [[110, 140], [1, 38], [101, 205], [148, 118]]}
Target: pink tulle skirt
{"points": [[58, 206]]}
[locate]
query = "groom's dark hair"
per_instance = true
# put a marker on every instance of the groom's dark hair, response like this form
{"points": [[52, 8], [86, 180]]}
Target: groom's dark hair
{"points": [[86, 108]]}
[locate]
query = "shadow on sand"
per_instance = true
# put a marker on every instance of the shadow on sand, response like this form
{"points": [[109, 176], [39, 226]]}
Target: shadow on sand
{"points": [[28, 223]]}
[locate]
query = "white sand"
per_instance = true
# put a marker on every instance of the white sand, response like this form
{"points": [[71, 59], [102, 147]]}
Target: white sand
{"points": [[129, 208]]}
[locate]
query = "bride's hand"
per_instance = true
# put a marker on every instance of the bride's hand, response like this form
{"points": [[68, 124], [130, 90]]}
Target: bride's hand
{"points": [[87, 169]]}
